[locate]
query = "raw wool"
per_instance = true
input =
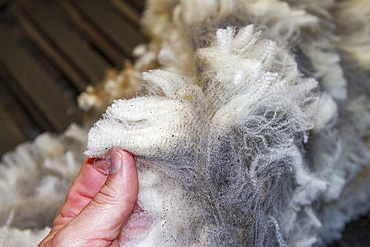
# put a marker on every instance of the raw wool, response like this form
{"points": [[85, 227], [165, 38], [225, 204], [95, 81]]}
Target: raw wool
{"points": [[339, 157], [10, 237], [116, 84], [310, 32], [293, 178], [353, 28], [352, 18], [146, 126], [223, 78], [303, 26], [348, 170], [230, 137], [168, 215], [177, 28], [34, 180]]}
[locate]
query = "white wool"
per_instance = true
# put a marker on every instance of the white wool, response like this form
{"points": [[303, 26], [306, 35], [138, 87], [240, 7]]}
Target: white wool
{"points": [[243, 135], [10, 237], [274, 13], [353, 18], [33, 182], [326, 63], [353, 201], [146, 126], [327, 112], [170, 212], [201, 114], [347, 161]]}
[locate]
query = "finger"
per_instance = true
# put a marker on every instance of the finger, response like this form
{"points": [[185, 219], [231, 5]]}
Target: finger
{"points": [[100, 222], [87, 184]]}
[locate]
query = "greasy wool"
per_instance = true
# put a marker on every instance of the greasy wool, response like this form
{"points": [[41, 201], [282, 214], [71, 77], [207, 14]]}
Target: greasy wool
{"points": [[230, 137], [250, 127]]}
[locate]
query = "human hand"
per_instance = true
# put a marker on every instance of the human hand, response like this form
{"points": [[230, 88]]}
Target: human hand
{"points": [[98, 203]]}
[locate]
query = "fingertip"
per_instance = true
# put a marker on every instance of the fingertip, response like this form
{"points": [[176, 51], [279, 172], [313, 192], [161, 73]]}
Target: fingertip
{"points": [[126, 156], [124, 172], [113, 204], [116, 160], [119, 157]]}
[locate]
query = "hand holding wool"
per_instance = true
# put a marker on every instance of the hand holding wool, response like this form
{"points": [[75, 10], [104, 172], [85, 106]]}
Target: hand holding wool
{"points": [[98, 203]]}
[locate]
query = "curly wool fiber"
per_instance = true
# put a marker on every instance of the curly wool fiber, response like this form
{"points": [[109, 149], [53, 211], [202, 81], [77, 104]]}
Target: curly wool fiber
{"points": [[230, 136], [250, 127], [244, 120], [34, 180]]}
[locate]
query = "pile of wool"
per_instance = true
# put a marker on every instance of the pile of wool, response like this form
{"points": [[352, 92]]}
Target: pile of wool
{"points": [[34, 180], [251, 129]]}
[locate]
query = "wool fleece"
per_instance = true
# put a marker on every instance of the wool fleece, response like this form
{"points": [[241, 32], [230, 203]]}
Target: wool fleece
{"points": [[249, 121]]}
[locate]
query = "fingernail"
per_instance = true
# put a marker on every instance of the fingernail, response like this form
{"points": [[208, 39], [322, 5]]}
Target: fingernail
{"points": [[116, 160]]}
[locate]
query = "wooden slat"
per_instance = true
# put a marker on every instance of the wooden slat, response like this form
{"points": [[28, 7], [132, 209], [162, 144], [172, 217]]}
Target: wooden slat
{"points": [[78, 80], [122, 34], [138, 4], [67, 40], [20, 114], [10, 134], [22, 98], [99, 40], [37, 85], [127, 11]]}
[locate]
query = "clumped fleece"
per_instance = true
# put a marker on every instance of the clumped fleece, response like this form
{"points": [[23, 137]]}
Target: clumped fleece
{"points": [[251, 129]]}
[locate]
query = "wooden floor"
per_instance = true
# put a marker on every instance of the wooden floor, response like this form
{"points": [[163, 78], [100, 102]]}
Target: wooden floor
{"points": [[50, 51]]}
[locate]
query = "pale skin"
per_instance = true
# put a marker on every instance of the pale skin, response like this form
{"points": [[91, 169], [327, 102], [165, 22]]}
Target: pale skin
{"points": [[97, 205]]}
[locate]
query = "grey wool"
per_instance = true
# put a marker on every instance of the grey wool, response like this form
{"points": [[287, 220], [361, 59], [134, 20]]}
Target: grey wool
{"points": [[250, 126]]}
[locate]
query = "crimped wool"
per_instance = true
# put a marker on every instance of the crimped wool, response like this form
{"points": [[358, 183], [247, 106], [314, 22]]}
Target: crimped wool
{"points": [[250, 128], [231, 132]]}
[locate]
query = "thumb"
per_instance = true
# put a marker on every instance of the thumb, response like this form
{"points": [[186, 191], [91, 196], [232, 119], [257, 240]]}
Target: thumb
{"points": [[100, 222]]}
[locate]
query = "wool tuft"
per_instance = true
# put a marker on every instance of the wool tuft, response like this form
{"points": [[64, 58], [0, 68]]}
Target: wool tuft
{"points": [[249, 121]]}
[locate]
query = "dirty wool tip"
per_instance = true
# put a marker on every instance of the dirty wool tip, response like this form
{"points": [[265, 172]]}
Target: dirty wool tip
{"points": [[217, 142]]}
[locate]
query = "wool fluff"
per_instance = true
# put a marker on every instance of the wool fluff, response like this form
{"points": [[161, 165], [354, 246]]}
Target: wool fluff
{"points": [[34, 179], [250, 127], [226, 144], [261, 154]]}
